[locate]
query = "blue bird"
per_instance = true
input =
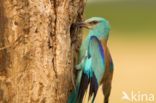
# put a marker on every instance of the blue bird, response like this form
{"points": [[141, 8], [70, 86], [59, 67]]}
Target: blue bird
{"points": [[96, 66]]}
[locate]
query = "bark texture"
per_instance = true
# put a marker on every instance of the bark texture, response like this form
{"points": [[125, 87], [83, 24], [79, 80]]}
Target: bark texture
{"points": [[38, 48]]}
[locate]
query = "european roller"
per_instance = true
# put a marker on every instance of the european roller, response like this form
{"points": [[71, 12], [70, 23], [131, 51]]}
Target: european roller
{"points": [[95, 66]]}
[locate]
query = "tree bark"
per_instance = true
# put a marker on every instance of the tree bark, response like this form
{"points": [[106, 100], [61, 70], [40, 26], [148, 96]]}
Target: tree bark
{"points": [[38, 49]]}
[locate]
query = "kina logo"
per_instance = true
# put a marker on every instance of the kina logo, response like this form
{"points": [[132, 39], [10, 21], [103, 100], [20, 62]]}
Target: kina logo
{"points": [[138, 97]]}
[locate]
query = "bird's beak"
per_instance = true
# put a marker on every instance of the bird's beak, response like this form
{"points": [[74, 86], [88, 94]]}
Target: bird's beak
{"points": [[82, 25]]}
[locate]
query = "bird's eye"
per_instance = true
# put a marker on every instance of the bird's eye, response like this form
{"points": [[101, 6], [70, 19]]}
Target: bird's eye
{"points": [[94, 22]]}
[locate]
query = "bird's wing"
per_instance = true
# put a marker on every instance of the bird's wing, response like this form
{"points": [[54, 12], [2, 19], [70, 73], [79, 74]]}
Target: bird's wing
{"points": [[97, 54], [92, 69]]}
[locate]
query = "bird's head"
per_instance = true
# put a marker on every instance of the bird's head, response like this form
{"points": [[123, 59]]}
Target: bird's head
{"points": [[98, 26]]}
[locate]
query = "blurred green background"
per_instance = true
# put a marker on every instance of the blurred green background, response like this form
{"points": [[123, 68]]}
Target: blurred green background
{"points": [[132, 44]]}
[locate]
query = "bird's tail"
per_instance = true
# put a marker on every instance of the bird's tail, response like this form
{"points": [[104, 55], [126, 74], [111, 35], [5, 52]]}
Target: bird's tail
{"points": [[72, 97], [85, 81]]}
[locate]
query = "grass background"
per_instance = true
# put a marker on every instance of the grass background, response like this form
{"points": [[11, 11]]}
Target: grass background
{"points": [[132, 44]]}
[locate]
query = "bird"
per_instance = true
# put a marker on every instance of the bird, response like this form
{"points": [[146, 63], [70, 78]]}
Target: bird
{"points": [[95, 66]]}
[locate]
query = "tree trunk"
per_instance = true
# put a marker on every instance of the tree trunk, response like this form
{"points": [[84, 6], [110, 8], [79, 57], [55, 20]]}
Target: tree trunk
{"points": [[38, 48]]}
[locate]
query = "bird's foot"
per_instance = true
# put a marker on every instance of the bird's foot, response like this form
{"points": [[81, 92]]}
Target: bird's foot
{"points": [[78, 67]]}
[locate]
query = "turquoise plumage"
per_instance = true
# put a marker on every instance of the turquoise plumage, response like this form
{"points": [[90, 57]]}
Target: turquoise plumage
{"points": [[96, 66]]}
